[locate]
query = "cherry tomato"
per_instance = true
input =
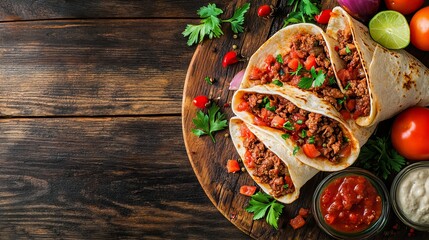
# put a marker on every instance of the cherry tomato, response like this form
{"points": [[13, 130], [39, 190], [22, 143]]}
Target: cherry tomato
{"points": [[247, 190], [323, 17], [419, 29], [410, 132], [229, 58], [404, 6], [264, 11], [232, 166], [200, 101]]}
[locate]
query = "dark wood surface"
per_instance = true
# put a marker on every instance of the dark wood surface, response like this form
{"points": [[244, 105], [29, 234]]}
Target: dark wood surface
{"points": [[91, 143]]}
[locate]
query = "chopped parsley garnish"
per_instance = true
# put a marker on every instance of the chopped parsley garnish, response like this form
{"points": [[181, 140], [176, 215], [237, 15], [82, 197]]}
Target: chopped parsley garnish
{"points": [[207, 124], [347, 86], [303, 134], [209, 80], [299, 121], [267, 105], [278, 83], [210, 24], [341, 100], [311, 140], [286, 186], [316, 80], [332, 81], [378, 156], [285, 136], [302, 11], [297, 71], [262, 204], [348, 50], [295, 150], [279, 58], [288, 126]]}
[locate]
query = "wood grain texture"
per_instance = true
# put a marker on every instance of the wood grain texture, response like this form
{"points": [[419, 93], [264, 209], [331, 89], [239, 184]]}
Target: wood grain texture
{"points": [[100, 178], [92, 67], [18, 10], [209, 159]]}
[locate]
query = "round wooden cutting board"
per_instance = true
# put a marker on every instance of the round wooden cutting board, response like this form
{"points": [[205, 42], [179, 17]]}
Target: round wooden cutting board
{"points": [[209, 159]]}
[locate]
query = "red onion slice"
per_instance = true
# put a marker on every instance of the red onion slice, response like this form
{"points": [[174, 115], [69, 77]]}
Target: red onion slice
{"points": [[236, 80]]}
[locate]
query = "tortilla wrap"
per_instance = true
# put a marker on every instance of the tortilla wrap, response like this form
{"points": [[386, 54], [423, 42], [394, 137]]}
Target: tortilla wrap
{"points": [[356, 135], [396, 80], [279, 44], [299, 172]]}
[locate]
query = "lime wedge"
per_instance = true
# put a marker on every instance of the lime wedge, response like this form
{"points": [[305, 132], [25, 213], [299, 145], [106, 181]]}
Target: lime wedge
{"points": [[390, 29]]}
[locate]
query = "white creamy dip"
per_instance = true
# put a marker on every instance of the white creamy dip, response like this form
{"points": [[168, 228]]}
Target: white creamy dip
{"points": [[413, 195]]}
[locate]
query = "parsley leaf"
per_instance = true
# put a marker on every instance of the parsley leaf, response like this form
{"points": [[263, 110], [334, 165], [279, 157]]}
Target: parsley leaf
{"points": [[237, 20], [311, 140], [295, 150], [317, 79], [285, 136], [210, 24], [278, 83], [279, 58], [288, 126], [378, 156], [207, 124], [302, 11], [348, 50], [262, 204]]}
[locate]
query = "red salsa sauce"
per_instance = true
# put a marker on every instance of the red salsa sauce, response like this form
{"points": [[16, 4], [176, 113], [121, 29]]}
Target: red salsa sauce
{"points": [[350, 204]]}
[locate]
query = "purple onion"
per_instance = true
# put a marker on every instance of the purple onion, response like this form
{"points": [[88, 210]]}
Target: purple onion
{"points": [[236, 80], [362, 10]]}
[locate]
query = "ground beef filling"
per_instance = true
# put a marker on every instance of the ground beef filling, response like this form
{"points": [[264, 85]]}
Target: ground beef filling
{"points": [[266, 167], [315, 134], [353, 79], [307, 51]]}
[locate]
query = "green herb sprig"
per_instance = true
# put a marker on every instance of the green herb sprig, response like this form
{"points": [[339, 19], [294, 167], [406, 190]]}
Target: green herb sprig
{"points": [[210, 24], [379, 157], [262, 204], [302, 11], [316, 79], [207, 124]]}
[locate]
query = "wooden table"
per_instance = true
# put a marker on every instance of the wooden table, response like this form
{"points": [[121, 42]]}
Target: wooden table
{"points": [[91, 140]]}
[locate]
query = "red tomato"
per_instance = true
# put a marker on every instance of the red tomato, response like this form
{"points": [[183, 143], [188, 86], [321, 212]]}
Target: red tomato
{"points": [[419, 29], [247, 190], [200, 101], [346, 114], [310, 150], [232, 166], [404, 6], [245, 132], [264, 11], [310, 62], [293, 64], [303, 212], [249, 161], [229, 58], [410, 132], [242, 106], [297, 222], [278, 122], [323, 17]]}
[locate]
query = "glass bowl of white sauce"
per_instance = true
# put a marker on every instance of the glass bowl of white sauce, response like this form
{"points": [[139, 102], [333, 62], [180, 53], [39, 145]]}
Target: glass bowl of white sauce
{"points": [[410, 196]]}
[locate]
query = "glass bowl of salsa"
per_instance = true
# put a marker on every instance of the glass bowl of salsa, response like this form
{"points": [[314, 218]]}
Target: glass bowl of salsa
{"points": [[410, 196], [351, 204]]}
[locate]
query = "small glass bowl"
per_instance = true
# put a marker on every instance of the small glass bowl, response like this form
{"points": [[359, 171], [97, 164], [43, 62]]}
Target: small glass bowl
{"points": [[372, 230], [394, 195]]}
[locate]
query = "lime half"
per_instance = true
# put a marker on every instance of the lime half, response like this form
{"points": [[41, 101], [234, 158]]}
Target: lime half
{"points": [[390, 29]]}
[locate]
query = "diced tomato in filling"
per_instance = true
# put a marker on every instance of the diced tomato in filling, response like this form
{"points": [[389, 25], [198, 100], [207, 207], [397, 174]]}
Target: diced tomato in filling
{"points": [[233, 166], [344, 76], [310, 150], [245, 132], [249, 160], [289, 182], [243, 106], [350, 204], [346, 151], [293, 64], [345, 114], [270, 60], [255, 73], [258, 121], [350, 104], [277, 122], [297, 222], [310, 62], [247, 190]]}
